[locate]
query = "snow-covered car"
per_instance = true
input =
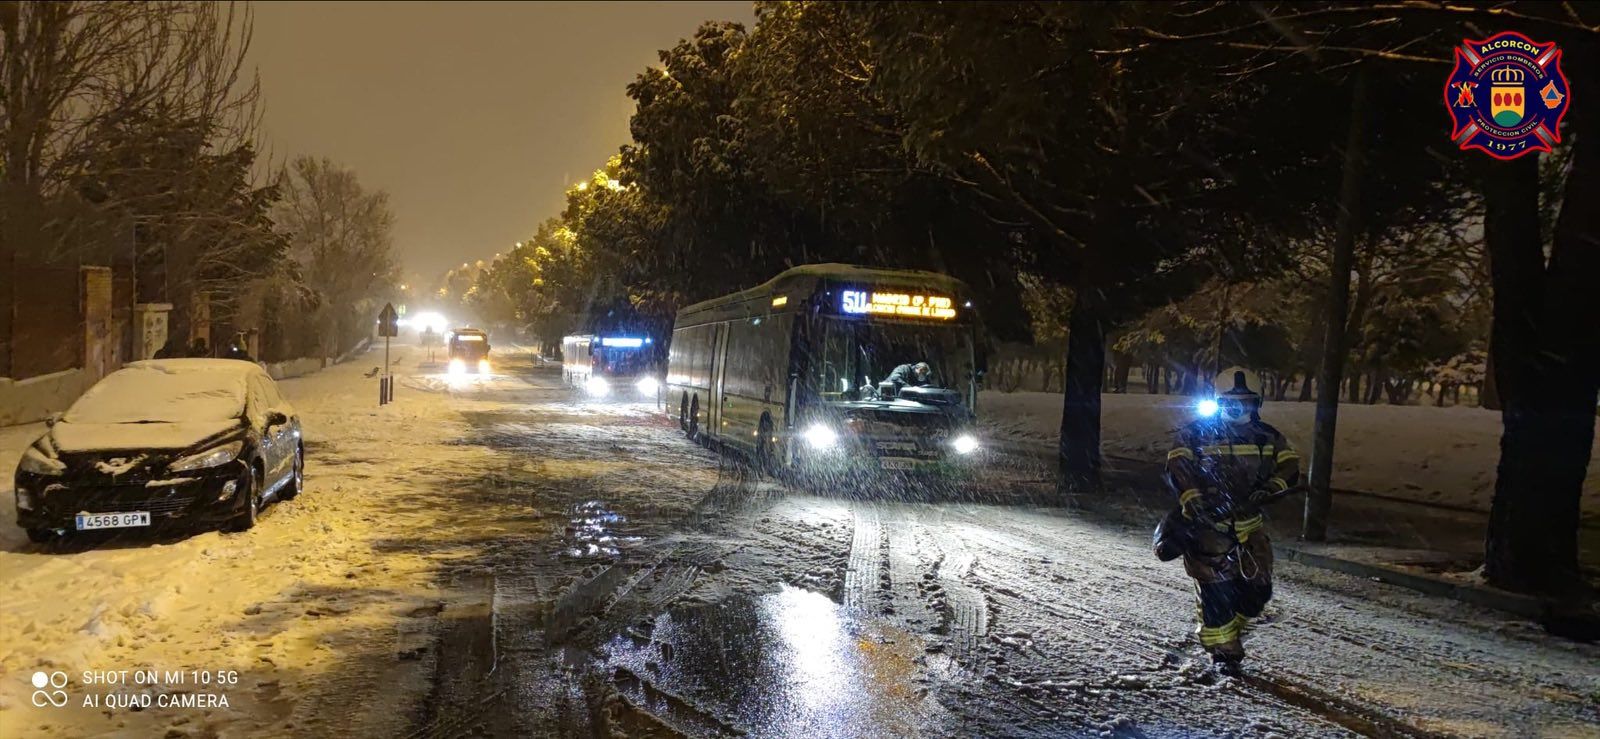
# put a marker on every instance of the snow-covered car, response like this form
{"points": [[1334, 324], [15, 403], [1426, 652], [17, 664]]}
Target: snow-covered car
{"points": [[166, 441]]}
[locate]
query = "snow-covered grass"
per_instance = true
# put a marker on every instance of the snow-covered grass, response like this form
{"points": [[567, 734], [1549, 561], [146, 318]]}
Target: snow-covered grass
{"points": [[1430, 455]]}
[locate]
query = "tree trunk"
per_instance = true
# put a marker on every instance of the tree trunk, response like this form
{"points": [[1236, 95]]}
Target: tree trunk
{"points": [[1166, 380], [1152, 378], [1545, 346], [1121, 381], [1079, 450], [1354, 388], [1438, 400], [1375, 383], [1305, 388], [1319, 500], [1489, 395]]}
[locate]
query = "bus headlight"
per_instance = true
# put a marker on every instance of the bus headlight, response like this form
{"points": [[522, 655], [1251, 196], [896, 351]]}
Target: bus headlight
{"points": [[819, 436], [483, 366], [597, 387], [647, 386], [458, 367], [965, 444]]}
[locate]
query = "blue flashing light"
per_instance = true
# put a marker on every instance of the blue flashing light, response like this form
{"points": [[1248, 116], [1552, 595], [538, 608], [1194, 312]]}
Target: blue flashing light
{"points": [[1206, 408], [622, 342]]}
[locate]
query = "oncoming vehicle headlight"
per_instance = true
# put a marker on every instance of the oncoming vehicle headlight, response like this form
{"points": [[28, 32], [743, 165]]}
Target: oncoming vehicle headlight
{"points": [[36, 462], [964, 444], [597, 387], [457, 367], [483, 366], [212, 457], [821, 437], [647, 385]]}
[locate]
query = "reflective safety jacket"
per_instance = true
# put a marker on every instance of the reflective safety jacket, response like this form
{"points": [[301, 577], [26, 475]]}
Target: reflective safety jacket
{"points": [[1215, 466]]}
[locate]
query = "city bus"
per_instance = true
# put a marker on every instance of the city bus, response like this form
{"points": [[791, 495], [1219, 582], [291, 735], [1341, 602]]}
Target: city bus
{"points": [[795, 373], [601, 365], [468, 350]]}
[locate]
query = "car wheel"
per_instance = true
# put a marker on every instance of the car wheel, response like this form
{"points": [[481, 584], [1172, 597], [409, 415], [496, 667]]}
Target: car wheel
{"points": [[246, 519], [44, 536], [693, 431], [297, 480]]}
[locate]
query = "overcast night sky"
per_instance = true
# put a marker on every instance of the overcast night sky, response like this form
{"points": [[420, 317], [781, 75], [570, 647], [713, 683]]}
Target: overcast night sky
{"points": [[473, 116]]}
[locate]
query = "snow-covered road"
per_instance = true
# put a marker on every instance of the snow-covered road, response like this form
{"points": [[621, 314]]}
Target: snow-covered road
{"points": [[496, 557]]}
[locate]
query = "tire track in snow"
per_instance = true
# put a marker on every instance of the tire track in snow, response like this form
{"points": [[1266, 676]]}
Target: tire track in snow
{"points": [[863, 569], [963, 613]]}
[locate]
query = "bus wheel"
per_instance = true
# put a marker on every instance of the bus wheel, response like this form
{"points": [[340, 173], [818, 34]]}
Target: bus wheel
{"points": [[764, 462], [693, 431], [683, 413]]}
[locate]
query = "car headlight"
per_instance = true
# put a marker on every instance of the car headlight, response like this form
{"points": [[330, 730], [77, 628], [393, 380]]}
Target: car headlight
{"points": [[821, 437], [964, 444], [457, 367], [597, 387], [34, 461], [209, 458], [483, 366], [647, 385]]}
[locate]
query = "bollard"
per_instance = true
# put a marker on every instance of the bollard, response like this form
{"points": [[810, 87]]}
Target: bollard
{"points": [[383, 390]]}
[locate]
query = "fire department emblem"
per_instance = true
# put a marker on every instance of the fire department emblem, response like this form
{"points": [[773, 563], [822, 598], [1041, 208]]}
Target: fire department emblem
{"points": [[1507, 95]]}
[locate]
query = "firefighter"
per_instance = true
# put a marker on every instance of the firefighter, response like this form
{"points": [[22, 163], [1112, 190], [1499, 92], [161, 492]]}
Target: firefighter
{"points": [[1224, 467], [913, 375]]}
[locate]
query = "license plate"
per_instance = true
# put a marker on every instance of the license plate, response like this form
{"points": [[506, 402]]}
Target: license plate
{"points": [[88, 521], [897, 463]]}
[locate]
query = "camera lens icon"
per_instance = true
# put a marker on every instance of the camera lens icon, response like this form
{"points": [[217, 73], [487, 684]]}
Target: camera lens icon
{"points": [[56, 697]]}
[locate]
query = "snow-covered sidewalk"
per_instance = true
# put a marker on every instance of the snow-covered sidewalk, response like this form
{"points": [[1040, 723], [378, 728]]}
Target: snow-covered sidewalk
{"points": [[1442, 456], [308, 611]]}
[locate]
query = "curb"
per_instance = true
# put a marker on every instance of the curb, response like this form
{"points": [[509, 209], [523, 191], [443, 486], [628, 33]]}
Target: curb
{"points": [[1500, 600]]}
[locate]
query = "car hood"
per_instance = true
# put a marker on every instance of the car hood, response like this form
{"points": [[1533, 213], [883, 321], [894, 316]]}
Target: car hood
{"points": [[94, 437]]}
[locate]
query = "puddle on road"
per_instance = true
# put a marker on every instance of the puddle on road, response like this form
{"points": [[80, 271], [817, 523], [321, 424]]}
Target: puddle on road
{"points": [[792, 663], [592, 532]]}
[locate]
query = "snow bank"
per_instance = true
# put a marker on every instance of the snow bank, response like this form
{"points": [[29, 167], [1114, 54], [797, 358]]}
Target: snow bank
{"points": [[33, 399], [294, 368], [1430, 455]]}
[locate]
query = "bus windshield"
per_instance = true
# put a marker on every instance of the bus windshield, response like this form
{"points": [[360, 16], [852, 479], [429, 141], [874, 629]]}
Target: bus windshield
{"points": [[855, 354], [621, 361]]}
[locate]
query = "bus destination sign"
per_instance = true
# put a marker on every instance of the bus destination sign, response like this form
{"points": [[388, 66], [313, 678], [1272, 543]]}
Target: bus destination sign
{"points": [[902, 305]]}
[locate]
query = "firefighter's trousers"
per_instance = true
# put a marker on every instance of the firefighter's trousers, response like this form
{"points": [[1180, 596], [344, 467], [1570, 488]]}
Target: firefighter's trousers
{"points": [[1231, 589]]}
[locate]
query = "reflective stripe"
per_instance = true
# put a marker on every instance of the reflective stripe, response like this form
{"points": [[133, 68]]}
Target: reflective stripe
{"points": [[1239, 450], [1211, 636], [1287, 455], [1244, 528], [1188, 495], [1279, 483], [1180, 452]]}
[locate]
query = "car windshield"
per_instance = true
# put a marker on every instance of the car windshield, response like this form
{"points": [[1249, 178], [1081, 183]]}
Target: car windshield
{"points": [[153, 395], [856, 354]]}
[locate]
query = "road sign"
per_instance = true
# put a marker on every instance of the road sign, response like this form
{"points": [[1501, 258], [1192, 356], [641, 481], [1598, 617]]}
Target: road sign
{"points": [[388, 321]]}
